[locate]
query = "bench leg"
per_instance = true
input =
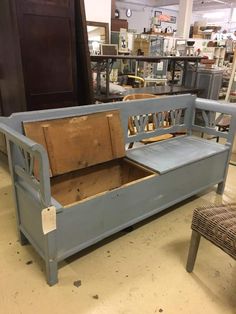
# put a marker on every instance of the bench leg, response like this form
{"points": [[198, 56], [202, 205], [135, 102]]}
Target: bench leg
{"points": [[51, 272], [192, 254], [220, 188], [22, 238], [51, 258]]}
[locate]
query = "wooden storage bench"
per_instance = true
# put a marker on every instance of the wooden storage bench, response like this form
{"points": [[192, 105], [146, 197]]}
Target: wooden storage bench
{"points": [[75, 182]]}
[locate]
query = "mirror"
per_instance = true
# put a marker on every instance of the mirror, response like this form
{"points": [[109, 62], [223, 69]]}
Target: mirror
{"points": [[97, 34]]}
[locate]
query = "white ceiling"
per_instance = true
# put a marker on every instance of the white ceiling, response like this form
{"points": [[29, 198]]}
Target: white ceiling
{"points": [[198, 5]]}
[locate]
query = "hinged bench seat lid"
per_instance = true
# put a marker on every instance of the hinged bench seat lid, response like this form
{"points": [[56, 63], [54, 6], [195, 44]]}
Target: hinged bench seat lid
{"points": [[176, 152], [79, 142]]}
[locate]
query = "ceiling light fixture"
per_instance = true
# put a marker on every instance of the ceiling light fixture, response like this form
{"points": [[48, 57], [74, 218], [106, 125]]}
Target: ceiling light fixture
{"points": [[213, 15], [217, 1]]}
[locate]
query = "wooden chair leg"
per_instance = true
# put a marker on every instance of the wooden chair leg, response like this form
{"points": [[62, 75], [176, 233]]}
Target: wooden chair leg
{"points": [[192, 254], [130, 145]]}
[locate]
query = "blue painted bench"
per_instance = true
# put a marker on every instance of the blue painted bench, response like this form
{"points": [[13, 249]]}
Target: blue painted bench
{"points": [[61, 211]]}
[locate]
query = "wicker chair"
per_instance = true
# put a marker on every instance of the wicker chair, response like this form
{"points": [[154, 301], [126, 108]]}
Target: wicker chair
{"points": [[218, 225]]}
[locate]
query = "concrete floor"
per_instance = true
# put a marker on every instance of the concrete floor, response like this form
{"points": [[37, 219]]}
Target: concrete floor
{"points": [[138, 272]]}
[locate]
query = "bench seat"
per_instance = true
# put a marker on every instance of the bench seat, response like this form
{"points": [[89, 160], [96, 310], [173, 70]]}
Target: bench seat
{"points": [[168, 155]]}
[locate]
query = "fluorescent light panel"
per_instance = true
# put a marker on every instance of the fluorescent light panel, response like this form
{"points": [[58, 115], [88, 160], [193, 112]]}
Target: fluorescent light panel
{"points": [[214, 15]]}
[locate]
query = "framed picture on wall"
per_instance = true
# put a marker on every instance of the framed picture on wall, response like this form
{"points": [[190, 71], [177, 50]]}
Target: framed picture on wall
{"points": [[172, 20], [156, 15]]}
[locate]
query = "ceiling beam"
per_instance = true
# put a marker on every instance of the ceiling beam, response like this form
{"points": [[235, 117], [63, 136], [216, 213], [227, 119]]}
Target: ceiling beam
{"points": [[209, 6], [197, 6], [151, 3]]}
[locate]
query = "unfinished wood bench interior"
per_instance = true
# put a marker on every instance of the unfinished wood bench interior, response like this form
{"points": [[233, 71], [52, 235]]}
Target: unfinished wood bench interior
{"points": [[75, 183]]}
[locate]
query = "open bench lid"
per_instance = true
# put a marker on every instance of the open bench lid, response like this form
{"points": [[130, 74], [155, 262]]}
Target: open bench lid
{"points": [[79, 142]]}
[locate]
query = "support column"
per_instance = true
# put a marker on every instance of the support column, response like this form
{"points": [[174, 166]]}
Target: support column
{"points": [[184, 18]]}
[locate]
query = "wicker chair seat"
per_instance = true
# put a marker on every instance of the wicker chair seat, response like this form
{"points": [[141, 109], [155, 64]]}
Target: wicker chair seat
{"points": [[218, 225]]}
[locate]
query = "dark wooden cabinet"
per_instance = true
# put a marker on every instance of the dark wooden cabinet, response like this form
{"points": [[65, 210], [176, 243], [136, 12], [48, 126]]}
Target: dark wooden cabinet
{"points": [[117, 24], [1, 109], [44, 55]]}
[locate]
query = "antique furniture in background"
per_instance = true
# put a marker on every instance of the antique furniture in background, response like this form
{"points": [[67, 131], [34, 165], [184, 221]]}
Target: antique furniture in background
{"points": [[108, 61], [100, 29], [117, 24], [209, 81], [44, 60], [98, 34]]}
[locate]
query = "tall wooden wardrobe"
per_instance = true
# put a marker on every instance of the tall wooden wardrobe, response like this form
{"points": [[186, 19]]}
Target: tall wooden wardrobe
{"points": [[44, 56]]}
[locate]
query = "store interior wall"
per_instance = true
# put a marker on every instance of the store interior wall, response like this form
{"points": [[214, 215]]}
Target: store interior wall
{"points": [[99, 11], [221, 18], [199, 15], [141, 16]]}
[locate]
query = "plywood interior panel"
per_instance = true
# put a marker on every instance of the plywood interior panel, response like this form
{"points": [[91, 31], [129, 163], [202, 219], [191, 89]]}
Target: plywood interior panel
{"points": [[81, 184], [79, 142], [131, 171]]}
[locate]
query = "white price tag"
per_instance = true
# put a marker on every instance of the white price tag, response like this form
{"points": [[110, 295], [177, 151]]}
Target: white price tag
{"points": [[49, 219], [160, 66]]}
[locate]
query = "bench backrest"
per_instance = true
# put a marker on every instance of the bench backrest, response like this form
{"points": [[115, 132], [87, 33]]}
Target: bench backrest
{"points": [[180, 105]]}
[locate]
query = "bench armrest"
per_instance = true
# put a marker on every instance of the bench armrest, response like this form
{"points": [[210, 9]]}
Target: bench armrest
{"points": [[207, 115], [26, 152], [213, 105]]}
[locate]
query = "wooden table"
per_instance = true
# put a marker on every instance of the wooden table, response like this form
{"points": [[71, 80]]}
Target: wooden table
{"points": [[156, 90], [109, 59]]}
